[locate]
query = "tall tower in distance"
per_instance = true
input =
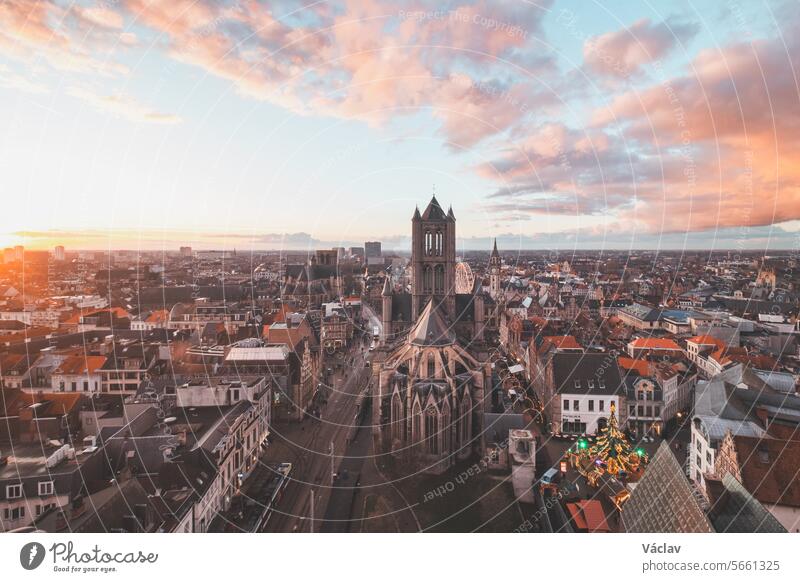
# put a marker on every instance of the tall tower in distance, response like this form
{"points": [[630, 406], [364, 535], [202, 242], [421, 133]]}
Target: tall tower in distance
{"points": [[495, 262], [433, 259]]}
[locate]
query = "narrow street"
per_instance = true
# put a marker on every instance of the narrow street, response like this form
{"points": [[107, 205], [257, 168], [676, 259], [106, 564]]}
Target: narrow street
{"points": [[307, 445]]}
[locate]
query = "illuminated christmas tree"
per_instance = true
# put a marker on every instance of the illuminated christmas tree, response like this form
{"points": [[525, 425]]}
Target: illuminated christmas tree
{"points": [[611, 453]]}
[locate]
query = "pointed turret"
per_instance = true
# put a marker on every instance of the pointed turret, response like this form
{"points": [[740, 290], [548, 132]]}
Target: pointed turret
{"points": [[416, 214], [387, 287], [494, 249], [450, 215]]}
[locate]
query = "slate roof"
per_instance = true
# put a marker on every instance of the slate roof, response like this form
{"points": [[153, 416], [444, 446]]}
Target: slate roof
{"points": [[434, 211], [431, 329], [401, 307], [737, 511], [663, 501], [581, 373], [465, 307]]}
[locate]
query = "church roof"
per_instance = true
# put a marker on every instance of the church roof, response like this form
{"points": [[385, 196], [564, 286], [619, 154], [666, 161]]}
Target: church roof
{"points": [[434, 211], [663, 501], [431, 329]]}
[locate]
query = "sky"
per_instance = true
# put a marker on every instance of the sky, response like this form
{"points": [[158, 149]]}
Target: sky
{"points": [[554, 124]]}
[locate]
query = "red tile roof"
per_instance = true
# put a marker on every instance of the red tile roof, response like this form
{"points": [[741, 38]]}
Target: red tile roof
{"points": [[588, 515], [159, 316], [642, 367], [654, 343], [79, 365], [769, 469]]}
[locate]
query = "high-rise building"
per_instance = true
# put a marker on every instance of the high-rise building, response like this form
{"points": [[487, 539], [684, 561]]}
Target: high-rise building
{"points": [[372, 249], [19, 253], [186, 251], [8, 255], [58, 253]]}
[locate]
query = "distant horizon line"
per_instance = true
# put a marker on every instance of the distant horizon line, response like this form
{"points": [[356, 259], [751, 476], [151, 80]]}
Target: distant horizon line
{"points": [[50, 250]]}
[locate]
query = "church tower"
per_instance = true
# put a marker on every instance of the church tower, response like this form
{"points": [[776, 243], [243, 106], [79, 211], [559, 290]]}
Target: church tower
{"points": [[495, 262], [433, 259]]}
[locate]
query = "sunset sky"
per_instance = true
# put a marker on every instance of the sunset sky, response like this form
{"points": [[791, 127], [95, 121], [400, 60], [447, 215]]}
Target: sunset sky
{"points": [[244, 124]]}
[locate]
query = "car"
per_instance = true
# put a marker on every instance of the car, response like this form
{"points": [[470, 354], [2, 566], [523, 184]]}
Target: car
{"points": [[550, 476]]}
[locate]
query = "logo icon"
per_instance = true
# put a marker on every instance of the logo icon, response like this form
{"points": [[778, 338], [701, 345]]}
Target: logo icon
{"points": [[31, 555]]}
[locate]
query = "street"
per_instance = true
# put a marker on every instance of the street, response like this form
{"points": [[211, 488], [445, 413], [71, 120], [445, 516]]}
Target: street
{"points": [[307, 445]]}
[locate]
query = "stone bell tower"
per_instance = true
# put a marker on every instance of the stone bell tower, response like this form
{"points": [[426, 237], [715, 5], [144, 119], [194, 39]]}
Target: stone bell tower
{"points": [[433, 259]]}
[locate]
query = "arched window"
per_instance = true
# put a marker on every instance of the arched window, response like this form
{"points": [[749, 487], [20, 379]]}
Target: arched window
{"points": [[428, 242], [431, 366], [427, 280], [432, 431], [465, 415], [416, 424], [439, 280], [446, 428], [397, 418], [439, 243]]}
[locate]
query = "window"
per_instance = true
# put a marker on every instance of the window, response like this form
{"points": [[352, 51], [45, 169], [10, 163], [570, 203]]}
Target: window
{"points": [[657, 410], [577, 384], [45, 488], [566, 404], [632, 411], [14, 514], [602, 384], [14, 491], [432, 431], [576, 405], [591, 384], [591, 406], [74, 386], [438, 279], [602, 406], [85, 385]]}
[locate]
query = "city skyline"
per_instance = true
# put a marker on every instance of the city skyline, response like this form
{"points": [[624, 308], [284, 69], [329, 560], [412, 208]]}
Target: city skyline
{"points": [[555, 125]]}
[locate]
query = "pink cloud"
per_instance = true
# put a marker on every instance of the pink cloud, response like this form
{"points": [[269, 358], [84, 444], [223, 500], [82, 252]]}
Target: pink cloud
{"points": [[623, 52]]}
